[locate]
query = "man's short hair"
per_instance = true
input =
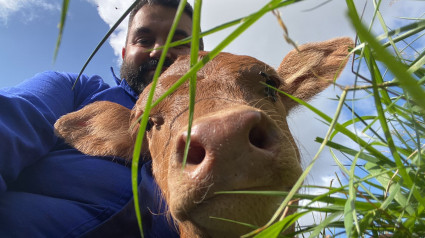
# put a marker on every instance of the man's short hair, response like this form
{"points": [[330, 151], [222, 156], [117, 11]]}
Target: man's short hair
{"points": [[166, 3]]}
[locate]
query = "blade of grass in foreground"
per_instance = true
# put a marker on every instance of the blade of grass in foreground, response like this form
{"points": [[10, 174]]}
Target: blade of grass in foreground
{"points": [[276, 229], [350, 214], [123, 16], [145, 116], [65, 5], [196, 29]]}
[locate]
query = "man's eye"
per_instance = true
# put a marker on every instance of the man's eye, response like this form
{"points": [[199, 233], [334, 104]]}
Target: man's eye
{"points": [[145, 42]]}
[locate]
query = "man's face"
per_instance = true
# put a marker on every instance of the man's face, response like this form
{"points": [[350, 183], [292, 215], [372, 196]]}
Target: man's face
{"points": [[149, 29]]}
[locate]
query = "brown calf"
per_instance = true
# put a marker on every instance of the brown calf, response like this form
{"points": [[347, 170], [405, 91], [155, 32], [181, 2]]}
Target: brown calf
{"points": [[240, 138]]}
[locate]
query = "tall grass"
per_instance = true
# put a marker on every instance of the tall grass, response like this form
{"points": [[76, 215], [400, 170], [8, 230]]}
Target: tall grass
{"points": [[384, 189], [381, 190]]}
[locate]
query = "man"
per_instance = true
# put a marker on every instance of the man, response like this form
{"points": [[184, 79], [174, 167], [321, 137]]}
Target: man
{"points": [[49, 189], [148, 29]]}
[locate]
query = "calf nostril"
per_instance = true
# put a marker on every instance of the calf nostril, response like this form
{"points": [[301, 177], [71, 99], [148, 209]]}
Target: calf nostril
{"points": [[196, 154], [258, 137]]}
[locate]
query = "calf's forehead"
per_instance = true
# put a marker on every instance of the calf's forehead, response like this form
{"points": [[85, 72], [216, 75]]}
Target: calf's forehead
{"points": [[226, 79], [224, 63], [235, 72]]}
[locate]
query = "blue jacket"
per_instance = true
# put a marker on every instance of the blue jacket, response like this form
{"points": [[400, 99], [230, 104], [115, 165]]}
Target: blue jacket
{"points": [[49, 189]]}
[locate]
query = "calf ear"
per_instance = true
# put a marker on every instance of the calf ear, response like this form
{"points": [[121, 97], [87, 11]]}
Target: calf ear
{"points": [[313, 68], [99, 129]]}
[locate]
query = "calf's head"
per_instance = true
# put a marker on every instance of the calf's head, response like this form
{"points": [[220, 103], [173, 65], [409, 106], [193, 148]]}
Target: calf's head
{"points": [[240, 139]]}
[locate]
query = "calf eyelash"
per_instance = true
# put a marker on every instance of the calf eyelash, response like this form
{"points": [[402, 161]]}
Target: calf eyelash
{"points": [[270, 92]]}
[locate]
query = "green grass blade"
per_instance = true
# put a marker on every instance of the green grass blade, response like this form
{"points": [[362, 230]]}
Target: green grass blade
{"points": [[350, 214], [134, 172], [65, 4], [277, 228], [145, 116], [418, 64], [353, 121], [350, 151], [196, 29], [236, 222], [109, 33], [316, 231]]}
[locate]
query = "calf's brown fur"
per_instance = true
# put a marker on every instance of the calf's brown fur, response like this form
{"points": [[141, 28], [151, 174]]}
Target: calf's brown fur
{"points": [[240, 138]]}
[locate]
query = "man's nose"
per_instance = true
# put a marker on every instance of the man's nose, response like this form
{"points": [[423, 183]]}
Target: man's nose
{"points": [[157, 51]]}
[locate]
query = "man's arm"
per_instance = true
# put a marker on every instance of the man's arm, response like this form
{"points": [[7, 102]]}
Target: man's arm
{"points": [[28, 112]]}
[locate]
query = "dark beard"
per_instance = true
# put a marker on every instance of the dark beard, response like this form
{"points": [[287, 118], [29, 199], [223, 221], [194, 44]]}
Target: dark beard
{"points": [[137, 76]]}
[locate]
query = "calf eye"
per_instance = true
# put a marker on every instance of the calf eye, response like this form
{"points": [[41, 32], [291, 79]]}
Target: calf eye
{"points": [[270, 92], [154, 121], [149, 125]]}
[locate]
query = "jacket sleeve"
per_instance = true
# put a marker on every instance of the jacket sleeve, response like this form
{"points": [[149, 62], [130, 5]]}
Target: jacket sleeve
{"points": [[28, 113]]}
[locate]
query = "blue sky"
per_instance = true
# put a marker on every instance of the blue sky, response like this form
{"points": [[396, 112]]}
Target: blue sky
{"points": [[28, 39]]}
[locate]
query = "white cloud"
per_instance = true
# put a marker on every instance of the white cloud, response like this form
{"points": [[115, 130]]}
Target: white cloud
{"points": [[8, 7], [30, 9]]}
